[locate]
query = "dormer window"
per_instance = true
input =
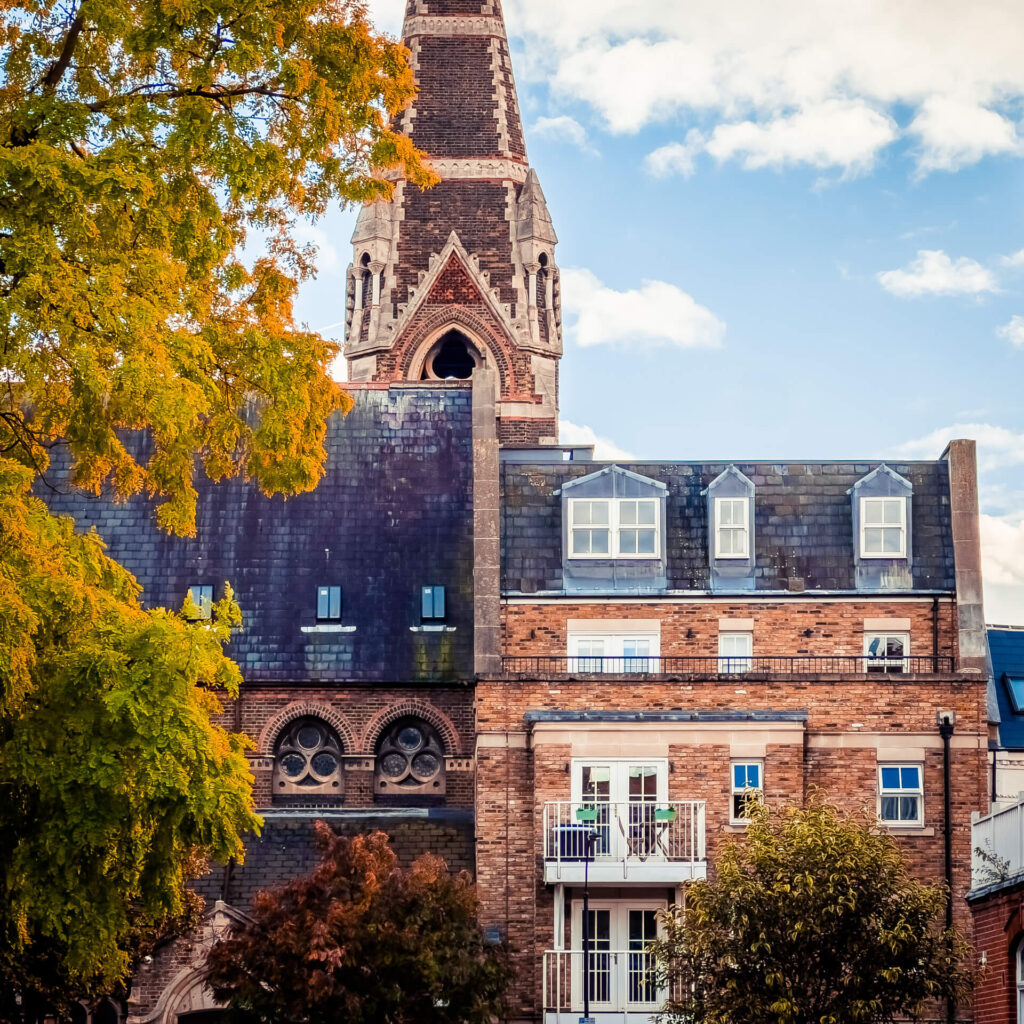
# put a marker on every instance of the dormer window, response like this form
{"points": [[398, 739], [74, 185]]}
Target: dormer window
{"points": [[883, 528], [432, 604], [732, 527], [614, 528], [202, 598], [328, 604]]}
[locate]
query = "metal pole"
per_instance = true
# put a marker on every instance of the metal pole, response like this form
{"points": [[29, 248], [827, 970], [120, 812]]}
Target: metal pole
{"points": [[946, 727], [588, 844]]}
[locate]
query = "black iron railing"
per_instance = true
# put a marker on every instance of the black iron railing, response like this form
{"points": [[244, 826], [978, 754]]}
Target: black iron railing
{"points": [[796, 665]]}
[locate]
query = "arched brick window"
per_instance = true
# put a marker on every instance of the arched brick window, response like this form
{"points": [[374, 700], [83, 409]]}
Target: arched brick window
{"points": [[410, 764], [307, 763]]}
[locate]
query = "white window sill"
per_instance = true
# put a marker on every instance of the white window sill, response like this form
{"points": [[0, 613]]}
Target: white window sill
{"points": [[736, 826], [328, 628], [884, 558], [909, 830], [432, 629]]}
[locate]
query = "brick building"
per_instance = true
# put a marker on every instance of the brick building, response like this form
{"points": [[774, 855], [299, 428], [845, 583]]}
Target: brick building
{"points": [[540, 666]]}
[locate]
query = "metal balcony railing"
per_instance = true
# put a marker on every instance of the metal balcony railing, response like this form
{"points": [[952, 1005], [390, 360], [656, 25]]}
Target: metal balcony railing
{"points": [[621, 981], [630, 831], [794, 665], [997, 844]]}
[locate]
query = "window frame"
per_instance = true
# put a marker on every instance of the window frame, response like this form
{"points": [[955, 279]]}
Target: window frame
{"points": [[434, 616], [615, 526], [614, 660], [885, 664], [1009, 679], [331, 593], [918, 793], [901, 526], [744, 529], [732, 664], [734, 792]]}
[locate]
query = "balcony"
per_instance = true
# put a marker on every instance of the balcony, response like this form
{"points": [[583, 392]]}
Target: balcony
{"points": [[623, 989], [636, 841], [697, 668], [997, 842]]}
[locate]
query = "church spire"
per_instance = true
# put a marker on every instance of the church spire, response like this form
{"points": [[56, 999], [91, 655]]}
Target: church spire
{"points": [[464, 274]]}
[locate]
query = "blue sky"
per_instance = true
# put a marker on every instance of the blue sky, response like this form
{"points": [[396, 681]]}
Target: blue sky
{"points": [[788, 230]]}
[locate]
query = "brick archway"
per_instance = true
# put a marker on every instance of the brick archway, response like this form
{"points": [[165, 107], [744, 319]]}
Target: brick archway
{"points": [[304, 709], [412, 709]]}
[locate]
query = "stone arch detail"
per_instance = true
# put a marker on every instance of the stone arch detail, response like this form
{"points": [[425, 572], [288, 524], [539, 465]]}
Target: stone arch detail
{"points": [[412, 709], [303, 709], [187, 993]]}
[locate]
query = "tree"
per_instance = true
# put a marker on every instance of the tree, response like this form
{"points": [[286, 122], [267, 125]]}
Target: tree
{"points": [[364, 941], [141, 142], [812, 918], [113, 778], [143, 145]]}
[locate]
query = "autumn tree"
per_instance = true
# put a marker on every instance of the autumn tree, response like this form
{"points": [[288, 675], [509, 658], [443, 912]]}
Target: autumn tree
{"points": [[155, 157], [811, 918], [364, 941]]}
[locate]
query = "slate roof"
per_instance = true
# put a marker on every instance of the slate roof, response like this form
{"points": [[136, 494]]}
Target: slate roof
{"points": [[803, 522], [394, 513], [1007, 649]]}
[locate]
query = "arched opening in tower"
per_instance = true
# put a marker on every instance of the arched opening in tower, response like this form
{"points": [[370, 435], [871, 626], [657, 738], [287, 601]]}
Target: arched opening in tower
{"points": [[453, 358]]}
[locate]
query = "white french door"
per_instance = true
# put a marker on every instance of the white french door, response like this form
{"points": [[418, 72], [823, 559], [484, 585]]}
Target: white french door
{"points": [[621, 972], [624, 794]]}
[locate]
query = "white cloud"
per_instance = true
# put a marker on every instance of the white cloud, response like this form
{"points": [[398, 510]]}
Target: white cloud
{"points": [[1002, 550], [934, 273], [832, 134], [604, 449], [657, 313], [327, 253], [676, 157], [956, 133], [1015, 259], [955, 67], [998, 447], [564, 129], [1013, 331]]}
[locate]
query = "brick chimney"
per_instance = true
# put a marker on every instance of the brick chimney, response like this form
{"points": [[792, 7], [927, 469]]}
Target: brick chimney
{"points": [[463, 275]]}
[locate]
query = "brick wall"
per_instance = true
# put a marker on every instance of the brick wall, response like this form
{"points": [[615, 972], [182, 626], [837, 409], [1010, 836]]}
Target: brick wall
{"points": [[998, 932]]}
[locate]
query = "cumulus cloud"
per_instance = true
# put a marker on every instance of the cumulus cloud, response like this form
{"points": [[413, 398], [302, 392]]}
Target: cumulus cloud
{"points": [[832, 134], [955, 133], [564, 129], [1015, 259], [1002, 550], [604, 449], [1013, 331], [650, 61], [677, 157], [933, 272], [998, 447], [657, 313]]}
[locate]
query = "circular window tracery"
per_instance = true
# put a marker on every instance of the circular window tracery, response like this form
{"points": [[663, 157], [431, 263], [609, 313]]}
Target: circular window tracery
{"points": [[454, 357], [307, 762], [410, 761]]}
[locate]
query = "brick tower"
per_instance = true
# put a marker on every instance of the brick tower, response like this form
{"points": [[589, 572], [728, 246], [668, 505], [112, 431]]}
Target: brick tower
{"points": [[462, 275]]}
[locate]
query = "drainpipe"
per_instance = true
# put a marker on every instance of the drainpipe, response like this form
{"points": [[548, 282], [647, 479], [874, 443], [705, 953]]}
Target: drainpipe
{"points": [[935, 634], [947, 723]]}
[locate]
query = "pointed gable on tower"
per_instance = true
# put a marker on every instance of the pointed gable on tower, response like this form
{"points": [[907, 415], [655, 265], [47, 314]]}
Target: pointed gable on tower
{"points": [[464, 274]]}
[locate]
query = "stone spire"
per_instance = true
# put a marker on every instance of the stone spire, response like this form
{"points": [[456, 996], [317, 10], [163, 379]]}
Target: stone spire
{"points": [[464, 274]]}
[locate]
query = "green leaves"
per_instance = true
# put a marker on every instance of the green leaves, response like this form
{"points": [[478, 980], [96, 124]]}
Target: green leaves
{"points": [[818, 907], [140, 144]]}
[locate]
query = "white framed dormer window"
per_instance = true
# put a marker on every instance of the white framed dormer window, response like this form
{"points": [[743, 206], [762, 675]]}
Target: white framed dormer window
{"points": [[901, 795], [886, 652], [735, 652], [732, 528], [883, 527], [613, 528], [618, 646]]}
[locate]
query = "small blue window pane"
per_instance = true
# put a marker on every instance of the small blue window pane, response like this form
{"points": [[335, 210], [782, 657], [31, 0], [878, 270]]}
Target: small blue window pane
{"points": [[328, 604], [1016, 688], [911, 778], [432, 603], [890, 778], [738, 776], [202, 597], [746, 776], [753, 776]]}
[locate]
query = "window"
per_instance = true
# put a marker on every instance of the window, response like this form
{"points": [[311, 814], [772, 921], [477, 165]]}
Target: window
{"points": [[615, 652], [410, 761], [202, 598], [1015, 687], [886, 652], [307, 762], [883, 527], [746, 783], [621, 801], [328, 604], [901, 796], [613, 528], [735, 652], [732, 528], [432, 604]]}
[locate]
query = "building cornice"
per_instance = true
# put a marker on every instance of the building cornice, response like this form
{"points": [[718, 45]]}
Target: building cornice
{"points": [[452, 25]]}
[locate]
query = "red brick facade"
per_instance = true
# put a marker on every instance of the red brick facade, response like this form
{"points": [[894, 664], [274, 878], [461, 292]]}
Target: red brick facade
{"points": [[998, 936]]}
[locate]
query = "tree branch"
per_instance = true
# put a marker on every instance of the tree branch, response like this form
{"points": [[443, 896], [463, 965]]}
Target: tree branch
{"points": [[57, 69]]}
